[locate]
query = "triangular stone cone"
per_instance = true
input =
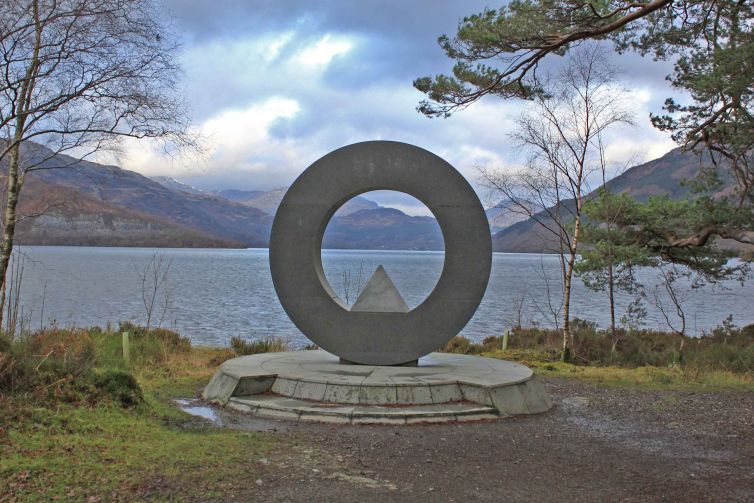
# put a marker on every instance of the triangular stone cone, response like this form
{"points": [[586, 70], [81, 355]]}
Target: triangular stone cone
{"points": [[380, 295]]}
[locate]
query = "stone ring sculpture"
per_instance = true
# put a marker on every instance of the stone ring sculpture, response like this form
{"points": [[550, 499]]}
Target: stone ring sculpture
{"points": [[376, 336]]}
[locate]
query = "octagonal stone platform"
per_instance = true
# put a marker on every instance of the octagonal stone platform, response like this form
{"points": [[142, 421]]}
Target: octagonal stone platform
{"points": [[315, 386]]}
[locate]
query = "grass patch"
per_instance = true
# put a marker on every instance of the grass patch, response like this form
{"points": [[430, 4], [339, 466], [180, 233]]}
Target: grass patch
{"points": [[112, 453], [647, 377], [722, 358], [115, 434], [243, 347]]}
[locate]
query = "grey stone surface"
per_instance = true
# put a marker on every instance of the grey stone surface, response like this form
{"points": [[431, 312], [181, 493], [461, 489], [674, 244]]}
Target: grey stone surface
{"points": [[379, 338], [536, 398], [380, 295], [307, 390], [285, 408], [285, 386], [254, 385], [476, 394], [444, 393], [413, 394], [339, 393], [508, 400], [313, 385], [378, 394], [220, 388]]}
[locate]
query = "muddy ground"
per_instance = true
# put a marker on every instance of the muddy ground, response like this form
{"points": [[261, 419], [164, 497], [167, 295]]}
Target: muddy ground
{"points": [[596, 444]]}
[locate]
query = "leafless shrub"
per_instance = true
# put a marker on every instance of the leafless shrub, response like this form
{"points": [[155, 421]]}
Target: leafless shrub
{"points": [[156, 291], [351, 283]]}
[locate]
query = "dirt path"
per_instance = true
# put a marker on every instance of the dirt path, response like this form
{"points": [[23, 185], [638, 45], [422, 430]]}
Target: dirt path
{"points": [[597, 444]]}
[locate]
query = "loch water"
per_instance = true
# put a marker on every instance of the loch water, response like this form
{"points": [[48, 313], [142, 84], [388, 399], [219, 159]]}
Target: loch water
{"points": [[214, 294]]}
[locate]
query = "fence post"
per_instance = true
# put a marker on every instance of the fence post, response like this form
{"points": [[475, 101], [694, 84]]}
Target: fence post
{"points": [[126, 349], [506, 335]]}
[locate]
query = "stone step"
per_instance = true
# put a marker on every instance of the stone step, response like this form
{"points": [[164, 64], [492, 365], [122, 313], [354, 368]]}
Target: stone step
{"points": [[281, 407]]}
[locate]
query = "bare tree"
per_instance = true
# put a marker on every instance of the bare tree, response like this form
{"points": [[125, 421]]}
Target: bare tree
{"points": [[13, 315], [76, 76], [562, 134], [518, 303], [674, 315], [553, 305], [156, 292], [351, 283]]}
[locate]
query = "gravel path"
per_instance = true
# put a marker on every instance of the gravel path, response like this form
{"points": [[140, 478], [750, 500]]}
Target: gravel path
{"points": [[596, 444]]}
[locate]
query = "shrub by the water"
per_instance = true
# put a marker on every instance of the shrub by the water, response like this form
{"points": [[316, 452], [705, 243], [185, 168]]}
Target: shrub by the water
{"points": [[169, 340], [221, 356], [82, 365], [264, 345], [147, 347], [462, 345], [4, 343], [120, 386], [726, 348], [49, 364]]}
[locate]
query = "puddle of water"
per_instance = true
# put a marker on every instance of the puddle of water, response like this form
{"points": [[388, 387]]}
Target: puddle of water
{"points": [[202, 411], [229, 419], [205, 412]]}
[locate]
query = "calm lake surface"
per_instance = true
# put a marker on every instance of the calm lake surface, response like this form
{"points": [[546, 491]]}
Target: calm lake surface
{"points": [[216, 294]]}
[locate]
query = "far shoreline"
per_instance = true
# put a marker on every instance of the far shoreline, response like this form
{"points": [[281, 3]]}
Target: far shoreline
{"points": [[260, 248]]}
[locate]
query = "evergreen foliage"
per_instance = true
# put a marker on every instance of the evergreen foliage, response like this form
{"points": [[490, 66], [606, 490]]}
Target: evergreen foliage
{"points": [[498, 51]]}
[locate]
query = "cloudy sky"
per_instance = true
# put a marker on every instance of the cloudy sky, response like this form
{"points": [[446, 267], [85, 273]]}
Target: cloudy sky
{"points": [[274, 85]]}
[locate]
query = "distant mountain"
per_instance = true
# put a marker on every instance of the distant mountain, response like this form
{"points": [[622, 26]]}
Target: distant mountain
{"points": [[663, 176], [172, 183], [656, 177], [356, 204], [265, 201], [85, 203], [501, 216], [68, 217], [383, 229], [226, 221], [239, 196], [268, 201], [90, 203]]}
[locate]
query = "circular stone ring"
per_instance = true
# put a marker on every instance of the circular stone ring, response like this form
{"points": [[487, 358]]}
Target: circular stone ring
{"points": [[379, 338]]}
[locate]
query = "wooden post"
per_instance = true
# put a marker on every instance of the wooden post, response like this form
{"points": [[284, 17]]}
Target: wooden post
{"points": [[506, 335], [126, 349]]}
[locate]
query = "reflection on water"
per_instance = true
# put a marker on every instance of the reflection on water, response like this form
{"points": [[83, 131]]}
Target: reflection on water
{"points": [[217, 294]]}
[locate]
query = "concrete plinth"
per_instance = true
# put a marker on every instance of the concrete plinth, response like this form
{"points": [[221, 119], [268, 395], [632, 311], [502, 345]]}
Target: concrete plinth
{"points": [[314, 385]]}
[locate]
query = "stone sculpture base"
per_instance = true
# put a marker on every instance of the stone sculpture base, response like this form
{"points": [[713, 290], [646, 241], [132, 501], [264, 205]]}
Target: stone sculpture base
{"points": [[314, 386]]}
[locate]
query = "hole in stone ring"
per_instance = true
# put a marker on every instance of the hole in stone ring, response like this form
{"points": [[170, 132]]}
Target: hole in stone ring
{"points": [[382, 228]]}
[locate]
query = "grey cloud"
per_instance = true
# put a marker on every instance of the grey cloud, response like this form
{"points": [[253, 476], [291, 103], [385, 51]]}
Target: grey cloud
{"points": [[364, 94]]}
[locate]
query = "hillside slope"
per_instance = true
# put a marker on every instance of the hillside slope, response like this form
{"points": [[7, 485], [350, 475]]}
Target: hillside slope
{"points": [[383, 229], [64, 216], [659, 176], [209, 214]]}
